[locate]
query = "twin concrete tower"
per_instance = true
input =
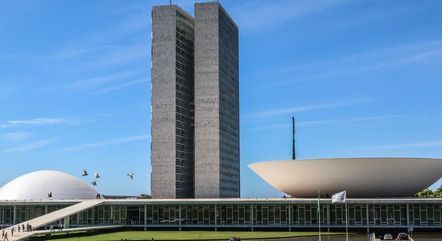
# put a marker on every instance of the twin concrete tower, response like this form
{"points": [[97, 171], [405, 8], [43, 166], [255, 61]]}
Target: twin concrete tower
{"points": [[195, 103]]}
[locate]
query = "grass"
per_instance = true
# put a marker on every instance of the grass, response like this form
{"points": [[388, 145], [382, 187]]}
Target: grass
{"points": [[176, 235]]}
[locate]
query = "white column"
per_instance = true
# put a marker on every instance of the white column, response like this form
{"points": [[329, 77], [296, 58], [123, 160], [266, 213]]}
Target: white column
{"points": [[368, 220], [14, 220], [346, 221], [328, 217], [145, 217], [216, 219], [290, 217], [251, 217], [112, 214], [319, 218], [67, 222], [408, 218], [179, 217]]}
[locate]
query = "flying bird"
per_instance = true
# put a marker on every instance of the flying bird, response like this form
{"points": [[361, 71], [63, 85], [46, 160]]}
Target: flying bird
{"points": [[131, 175], [96, 175], [94, 183], [85, 173], [50, 195]]}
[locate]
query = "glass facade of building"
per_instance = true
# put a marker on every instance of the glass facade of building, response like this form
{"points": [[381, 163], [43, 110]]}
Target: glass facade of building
{"points": [[241, 214], [184, 97]]}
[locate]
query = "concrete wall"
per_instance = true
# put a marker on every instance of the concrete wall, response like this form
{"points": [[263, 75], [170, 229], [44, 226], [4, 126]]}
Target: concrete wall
{"points": [[165, 136], [229, 106], [163, 102], [184, 105], [216, 103]]}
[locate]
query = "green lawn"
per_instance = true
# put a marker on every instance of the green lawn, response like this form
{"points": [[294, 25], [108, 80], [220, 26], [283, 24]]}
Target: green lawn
{"points": [[176, 235]]}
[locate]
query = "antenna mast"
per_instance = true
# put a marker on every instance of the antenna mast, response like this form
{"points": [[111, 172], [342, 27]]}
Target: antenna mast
{"points": [[293, 138]]}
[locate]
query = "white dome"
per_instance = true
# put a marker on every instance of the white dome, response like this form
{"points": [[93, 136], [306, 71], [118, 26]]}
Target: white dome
{"points": [[37, 185]]}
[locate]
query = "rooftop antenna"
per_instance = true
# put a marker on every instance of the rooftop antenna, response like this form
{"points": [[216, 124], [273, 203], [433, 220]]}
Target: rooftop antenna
{"points": [[293, 138]]}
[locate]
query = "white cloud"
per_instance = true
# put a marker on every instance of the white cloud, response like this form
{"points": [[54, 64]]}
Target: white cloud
{"points": [[128, 20], [106, 143], [16, 136], [6, 89], [265, 14], [293, 110], [408, 146], [347, 121], [75, 52], [117, 56], [374, 59], [133, 18], [30, 146], [99, 49], [100, 81], [120, 86], [33, 122], [107, 83]]}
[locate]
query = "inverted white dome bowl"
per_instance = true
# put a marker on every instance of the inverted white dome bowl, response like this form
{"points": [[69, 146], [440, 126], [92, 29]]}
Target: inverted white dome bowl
{"points": [[37, 185], [361, 177]]}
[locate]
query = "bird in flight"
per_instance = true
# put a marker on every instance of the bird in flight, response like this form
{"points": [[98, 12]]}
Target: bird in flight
{"points": [[94, 183], [131, 175], [96, 175], [50, 195], [84, 173]]}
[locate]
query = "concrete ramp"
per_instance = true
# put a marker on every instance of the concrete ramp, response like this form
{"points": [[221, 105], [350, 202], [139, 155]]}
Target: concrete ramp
{"points": [[51, 218], [61, 214]]}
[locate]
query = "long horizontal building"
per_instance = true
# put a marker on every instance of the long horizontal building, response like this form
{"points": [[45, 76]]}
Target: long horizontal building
{"points": [[279, 213]]}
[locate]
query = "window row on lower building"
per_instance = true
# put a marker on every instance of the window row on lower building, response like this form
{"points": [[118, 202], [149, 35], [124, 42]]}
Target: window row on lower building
{"points": [[303, 215]]}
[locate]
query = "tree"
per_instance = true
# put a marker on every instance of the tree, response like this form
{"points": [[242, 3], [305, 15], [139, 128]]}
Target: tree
{"points": [[144, 196], [428, 193], [438, 192]]}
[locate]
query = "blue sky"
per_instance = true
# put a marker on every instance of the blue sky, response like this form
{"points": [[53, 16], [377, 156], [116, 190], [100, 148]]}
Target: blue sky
{"points": [[363, 78]]}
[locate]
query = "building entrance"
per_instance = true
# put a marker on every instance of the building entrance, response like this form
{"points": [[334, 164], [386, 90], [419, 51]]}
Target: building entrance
{"points": [[134, 216]]}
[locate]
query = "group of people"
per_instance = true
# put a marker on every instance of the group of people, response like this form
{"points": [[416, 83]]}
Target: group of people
{"points": [[60, 227], [12, 230]]}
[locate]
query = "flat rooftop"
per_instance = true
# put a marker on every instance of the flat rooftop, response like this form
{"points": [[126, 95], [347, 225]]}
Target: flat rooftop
{"points": [[227, 201]]}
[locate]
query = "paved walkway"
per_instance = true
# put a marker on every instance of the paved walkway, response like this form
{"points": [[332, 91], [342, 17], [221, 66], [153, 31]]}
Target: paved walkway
{"points": [[20, 236], [51, 218]]}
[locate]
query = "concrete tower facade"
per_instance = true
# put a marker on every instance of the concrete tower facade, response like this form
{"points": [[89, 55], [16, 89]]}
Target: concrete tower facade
{"points": [[195, 103], [172, 103], [217, 170]]}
